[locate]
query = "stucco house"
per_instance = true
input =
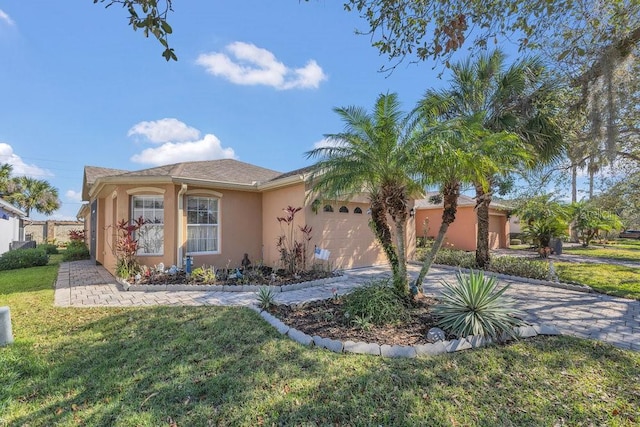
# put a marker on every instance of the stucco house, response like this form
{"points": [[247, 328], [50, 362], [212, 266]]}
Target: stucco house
{"points": [[11, 225], [218, 210], [462, 234]]}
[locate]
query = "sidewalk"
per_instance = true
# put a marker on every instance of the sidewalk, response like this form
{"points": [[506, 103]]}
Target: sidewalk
{"points": [[585, 315]]}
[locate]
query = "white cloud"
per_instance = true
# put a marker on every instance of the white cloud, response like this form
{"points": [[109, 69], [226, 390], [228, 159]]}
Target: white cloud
{"points": [[164, 130], [326, 143], [251, 65], [73, 195], [6, 18], [19, 166], [207, 148]]}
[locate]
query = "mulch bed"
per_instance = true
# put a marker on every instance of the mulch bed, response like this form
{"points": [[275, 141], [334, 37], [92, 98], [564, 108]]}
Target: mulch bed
{"points": [[326, 319], [261, 276]]}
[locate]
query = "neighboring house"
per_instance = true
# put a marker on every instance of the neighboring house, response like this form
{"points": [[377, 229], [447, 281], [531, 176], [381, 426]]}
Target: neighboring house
{"points": [[11, 225], [51, 231], [462, 234], [514, 225], [218, 210]]}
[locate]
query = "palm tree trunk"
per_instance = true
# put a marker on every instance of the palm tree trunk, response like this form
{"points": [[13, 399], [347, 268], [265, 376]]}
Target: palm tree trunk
{"points": [[483, 199], [400, 281], [381, 229], [450, 208]]}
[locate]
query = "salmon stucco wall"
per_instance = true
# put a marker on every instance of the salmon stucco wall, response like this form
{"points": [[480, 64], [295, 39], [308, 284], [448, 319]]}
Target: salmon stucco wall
{"points": [[240, 228], [273, 203], [462, 233]]}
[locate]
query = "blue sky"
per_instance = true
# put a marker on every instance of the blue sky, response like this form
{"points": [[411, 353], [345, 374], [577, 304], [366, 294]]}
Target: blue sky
{"points": [[256, 80]]}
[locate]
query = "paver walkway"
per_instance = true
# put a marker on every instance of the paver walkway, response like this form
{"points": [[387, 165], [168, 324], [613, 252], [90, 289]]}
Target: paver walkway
{"points": [[610, 319]]}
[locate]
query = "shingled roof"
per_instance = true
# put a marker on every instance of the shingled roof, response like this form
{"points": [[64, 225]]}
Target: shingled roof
{"points": [[222, 170], [92, 173], [463, 200]]}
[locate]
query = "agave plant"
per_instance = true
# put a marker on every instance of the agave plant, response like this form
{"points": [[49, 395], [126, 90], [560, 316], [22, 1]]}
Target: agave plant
{"points": [[474, 307], [266, 297]]}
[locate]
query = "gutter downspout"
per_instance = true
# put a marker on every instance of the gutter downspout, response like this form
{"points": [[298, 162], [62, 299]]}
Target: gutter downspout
{"points": [[183, 189]]}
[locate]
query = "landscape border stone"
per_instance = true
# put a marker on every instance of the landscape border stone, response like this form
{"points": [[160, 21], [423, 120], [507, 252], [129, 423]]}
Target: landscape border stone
{"points": [[226, 288], [402, 351]]}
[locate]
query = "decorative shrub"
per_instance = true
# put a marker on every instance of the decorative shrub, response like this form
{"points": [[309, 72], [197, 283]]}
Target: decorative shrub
{"points": [[266, 297], [522, 267], [76, 251], [49, 248], [294, 253], [515, 242], [377, 302], [473, 306], [77, 236], [204, 274], [23, 258], [127, 247], [456, 258]]}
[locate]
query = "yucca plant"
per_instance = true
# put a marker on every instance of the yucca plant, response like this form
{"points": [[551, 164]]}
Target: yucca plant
{"points": [[266, 297], [474, 307]]}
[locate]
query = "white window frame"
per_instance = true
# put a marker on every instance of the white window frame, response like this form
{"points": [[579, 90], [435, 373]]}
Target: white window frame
{"points": [[215, 227], [135, 214]]}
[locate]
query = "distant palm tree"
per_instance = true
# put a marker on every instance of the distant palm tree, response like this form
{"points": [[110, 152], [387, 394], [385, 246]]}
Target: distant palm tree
{"points": [[515, 99], [31, 193], [5, 179], [372, 156]]}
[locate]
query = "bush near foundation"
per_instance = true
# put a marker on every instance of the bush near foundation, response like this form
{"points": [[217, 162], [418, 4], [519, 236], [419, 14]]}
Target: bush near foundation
{"points": [[49, 248], [75, 251]]}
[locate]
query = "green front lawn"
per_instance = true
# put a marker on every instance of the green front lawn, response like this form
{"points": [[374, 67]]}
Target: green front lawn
{"points": [[225, 366], [610, 279], [618, 252]]}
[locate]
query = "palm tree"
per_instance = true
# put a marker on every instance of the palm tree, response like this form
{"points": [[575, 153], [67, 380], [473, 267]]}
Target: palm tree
{"points": [[5, 178], [35, 194], [512, 100], [372, 156], [452, 153]]}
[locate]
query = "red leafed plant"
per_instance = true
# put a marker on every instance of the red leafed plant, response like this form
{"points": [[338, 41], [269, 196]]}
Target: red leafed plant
{"points": [[127, 247], [293, 253], [77, 236]]}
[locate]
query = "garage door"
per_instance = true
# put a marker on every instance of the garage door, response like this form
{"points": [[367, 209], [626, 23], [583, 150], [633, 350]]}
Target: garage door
{"points": [[346, 234]]}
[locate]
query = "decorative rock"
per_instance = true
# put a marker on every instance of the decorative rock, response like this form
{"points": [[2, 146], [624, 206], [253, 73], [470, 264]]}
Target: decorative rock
{"points": [[478, 341], [458, 345], [362, 348], [6, 335], [300, 337], [430, 349], [525, 331], [398, 351], [331, 345], [435, 335], [546, 330]]}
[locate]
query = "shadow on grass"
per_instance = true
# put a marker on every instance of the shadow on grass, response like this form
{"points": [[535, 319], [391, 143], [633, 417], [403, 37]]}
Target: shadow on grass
{"points": [[225, 366]]}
